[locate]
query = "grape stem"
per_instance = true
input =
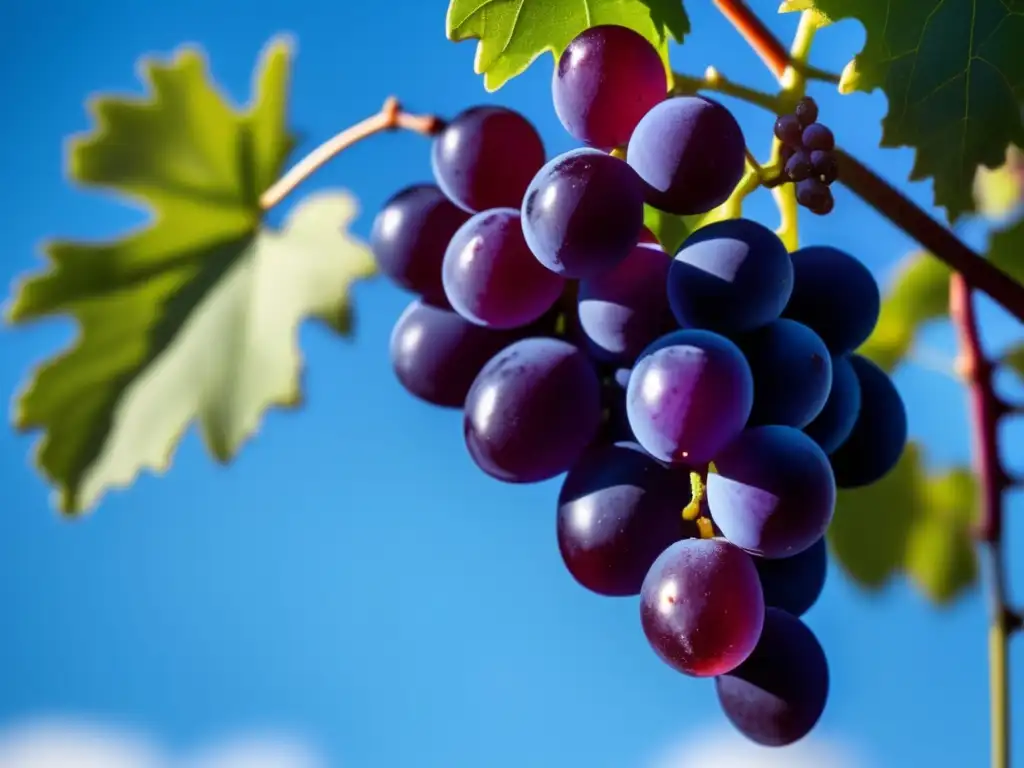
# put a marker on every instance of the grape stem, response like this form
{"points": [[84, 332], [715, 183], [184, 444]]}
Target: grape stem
{"points": [[390, 117], [986, 409]]}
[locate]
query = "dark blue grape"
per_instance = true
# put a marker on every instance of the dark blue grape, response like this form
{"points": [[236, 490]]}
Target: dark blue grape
{"points": [[730, 277], [690, 152], [879, 435], [835, 422], [778, 694], [814, 195], [794, 583], [772, 492], [798, 166], [582, 213], [806, 111], [817, 136], [824, 166], [788, 130]]}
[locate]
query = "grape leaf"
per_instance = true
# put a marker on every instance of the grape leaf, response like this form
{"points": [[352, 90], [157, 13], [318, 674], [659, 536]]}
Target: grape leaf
{"points": [[512, 34], [909, 522], [1013, 359], [1006, 249], [195, 315], [954, 76], [998, 192]]}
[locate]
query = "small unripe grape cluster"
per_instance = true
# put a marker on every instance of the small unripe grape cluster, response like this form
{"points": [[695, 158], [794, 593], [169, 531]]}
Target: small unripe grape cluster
{"points": [[807, 156]]}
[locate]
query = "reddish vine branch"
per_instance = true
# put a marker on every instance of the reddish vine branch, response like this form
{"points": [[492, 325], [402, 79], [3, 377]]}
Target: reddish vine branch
{"points": [[771, 50]]}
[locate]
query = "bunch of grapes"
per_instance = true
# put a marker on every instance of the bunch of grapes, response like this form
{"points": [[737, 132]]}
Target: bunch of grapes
{"points": [[807, 156], [704, 408]]}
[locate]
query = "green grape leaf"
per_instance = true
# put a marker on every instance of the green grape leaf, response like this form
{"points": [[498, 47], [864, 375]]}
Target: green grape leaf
{"points": [[917, 294], [954, 77], [1006, 249], [1013, 359], [195, 315], [512, 34], [910, 522]]}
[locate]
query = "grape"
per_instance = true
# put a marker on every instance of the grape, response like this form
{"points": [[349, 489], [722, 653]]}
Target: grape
{"points": [[436, 353], [730, 277], [835, 296], [806, 111], [624, 310], [689, 394], [788, 130], [606, 80], [778, 694], [690, 153], [825, 166], [792, 373], [410, 235], [798, 167], [532, 410], [490, 276], [582, 213], [794, 583], [835, 422], [880, 433], [701, 606], [485, 158], [617, 511], [818, 136], [772, 492], [815, 196]]}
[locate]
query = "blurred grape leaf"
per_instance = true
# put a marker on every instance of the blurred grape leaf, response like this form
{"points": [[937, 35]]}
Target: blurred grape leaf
{"points": [[998, 192], [512, 34], [954, 77], [1014, 360], [672, 230], [1006, 249], [194, 316], [909, 522]]}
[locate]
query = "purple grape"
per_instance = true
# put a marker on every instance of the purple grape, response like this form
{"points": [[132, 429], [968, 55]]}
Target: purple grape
{"points": [[690, 152], [490, 275], [701, 606], [690, 393], [582, 213], [792, 373], [824, 166], [806, 111], [773, 493], [730, 277], [818, 136], [794, 584], [798, 167], [835, 422], [410, 235], [532, 411], [815, 196], [485, 158], [606, 80], [623, 311], [788, 130], [835, 296], [617, 511], [778, 694], [436, 353], [879, 435]]}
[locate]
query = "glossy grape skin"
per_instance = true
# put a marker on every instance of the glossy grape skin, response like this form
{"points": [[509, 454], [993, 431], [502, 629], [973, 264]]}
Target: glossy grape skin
{"points": [[806, 111], [818, 136], [835, 422], [879, 434], [835, 296], [582, 213], [814, 195], [617, 511], [788, 130], [690, 153], [485, 157], [794, 584], [773, 493], [701, 606], [824, 166], [778, 694], [690, 393], [491, 277], [625, 309], [792, 373], [532, 411], [730, 277], [410, 235], [798, 166], [436, 354], [606, 80]]}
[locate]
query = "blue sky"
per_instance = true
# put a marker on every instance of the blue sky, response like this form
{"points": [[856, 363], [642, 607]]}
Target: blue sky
{"points": [[352, 577]]}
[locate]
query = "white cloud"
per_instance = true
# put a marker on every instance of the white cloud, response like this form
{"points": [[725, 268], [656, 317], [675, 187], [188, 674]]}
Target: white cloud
{"points": [[728, 749], [78, 744]]}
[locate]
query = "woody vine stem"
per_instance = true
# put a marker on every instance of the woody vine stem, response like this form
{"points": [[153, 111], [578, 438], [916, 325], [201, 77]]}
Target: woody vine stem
{"points": [[971, 272]]}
